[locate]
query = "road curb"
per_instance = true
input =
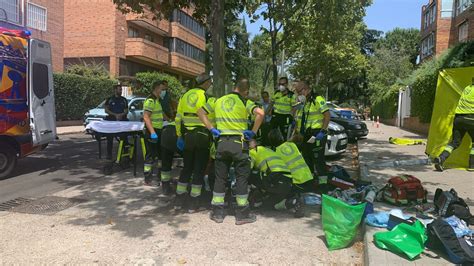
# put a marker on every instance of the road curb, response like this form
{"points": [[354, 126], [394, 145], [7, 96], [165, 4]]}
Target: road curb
{"points": [[70, 132]]}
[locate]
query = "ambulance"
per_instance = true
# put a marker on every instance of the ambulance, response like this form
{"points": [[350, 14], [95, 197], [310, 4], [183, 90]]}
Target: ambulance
{"points": [[27, 112]]}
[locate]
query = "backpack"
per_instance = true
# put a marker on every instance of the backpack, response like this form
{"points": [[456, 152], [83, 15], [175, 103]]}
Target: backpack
{"points": [[441, 236], [447, 203], [404, 189]]}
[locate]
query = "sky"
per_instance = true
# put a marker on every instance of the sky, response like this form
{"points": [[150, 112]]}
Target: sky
{"points": [[383, 15]]}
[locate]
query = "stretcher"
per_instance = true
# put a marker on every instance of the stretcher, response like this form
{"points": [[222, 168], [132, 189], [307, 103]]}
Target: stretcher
{"points": [[122, 130]]}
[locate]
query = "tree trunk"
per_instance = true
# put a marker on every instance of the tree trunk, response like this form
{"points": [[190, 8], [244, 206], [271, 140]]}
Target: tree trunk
{"points": [[218, 47]]}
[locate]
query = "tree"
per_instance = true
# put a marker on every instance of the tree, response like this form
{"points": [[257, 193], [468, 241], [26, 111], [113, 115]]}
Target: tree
{"points": [[325, 44], [282, 16], [402, 42]]}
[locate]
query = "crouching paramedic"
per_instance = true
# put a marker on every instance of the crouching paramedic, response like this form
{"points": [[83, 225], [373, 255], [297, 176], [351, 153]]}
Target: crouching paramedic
{"points": [[232, 112], [194, 139], [153, 118], [300, 172], [274, 179]]}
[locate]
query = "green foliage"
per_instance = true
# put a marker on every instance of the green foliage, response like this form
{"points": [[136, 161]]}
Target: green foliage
{"points": [[75, 94], [423, 81], [90, 70], [386, 105], [146, 79]]}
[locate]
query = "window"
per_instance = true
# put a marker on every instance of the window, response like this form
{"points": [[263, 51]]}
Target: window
{"points": [[427, 46], [461, 6], [138, 104], [149, 37], [132, 32], [186, 49], [463, 31], [37, 17], [447, 8], [188, 22], [40, 80], [429, 17], [10, 11]]}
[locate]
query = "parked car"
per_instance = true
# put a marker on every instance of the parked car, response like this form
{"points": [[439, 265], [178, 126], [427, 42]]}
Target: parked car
{"points": [[354, 128], [337, 139], [135, 111]]}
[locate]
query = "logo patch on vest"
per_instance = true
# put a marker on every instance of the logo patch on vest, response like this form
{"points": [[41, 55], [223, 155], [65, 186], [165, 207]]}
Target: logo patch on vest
{"points": [[228, 104], [287, 150], [192, 99]]}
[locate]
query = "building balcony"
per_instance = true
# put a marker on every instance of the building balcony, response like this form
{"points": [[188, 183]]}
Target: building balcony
{"points": [[186, 64], [145, 20], [145, 50]]}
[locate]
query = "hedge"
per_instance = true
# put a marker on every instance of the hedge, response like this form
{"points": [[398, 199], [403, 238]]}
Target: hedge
{"points": [[75, 95], [146, 79], [423, 81], [387, 106]]}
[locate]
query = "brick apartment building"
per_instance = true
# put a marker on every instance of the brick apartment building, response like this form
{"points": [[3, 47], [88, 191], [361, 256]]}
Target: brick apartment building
{"points": [[129, 43], [44, 18], [445, 23]]}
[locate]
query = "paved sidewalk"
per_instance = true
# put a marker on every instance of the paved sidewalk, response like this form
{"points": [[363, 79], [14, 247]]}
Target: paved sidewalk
{"points": [[70, 130], [375, 149], [123, 222]]}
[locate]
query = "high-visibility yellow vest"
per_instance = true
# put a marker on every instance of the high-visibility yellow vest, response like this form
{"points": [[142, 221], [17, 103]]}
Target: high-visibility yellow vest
{"points": [[212, 116], [313, 114], [265, 159], [188, 106], [152, 105], [466, 102], [283, 103], [290, 154], [231, 112]]}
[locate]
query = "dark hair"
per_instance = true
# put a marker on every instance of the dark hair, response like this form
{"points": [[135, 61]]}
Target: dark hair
{"points": [[156, 83], [243, 84], [285, 78], [275, 137], [264, 92]]}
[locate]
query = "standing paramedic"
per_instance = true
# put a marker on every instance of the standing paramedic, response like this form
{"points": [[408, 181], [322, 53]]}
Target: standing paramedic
{"points": [[153, 118], [283, 101], [231, 113], [313, 121], [195, 141], [116, 108]]}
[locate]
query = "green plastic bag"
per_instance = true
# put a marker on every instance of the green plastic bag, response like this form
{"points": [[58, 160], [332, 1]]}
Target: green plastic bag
{"points": [[403, 239], [340, 221]]}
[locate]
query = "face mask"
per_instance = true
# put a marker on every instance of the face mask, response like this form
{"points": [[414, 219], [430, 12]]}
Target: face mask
{"points": [[162, 94], [282, 88]]}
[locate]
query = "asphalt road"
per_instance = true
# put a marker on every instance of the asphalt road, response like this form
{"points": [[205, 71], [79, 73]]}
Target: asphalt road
{"points": [[71, 160]]}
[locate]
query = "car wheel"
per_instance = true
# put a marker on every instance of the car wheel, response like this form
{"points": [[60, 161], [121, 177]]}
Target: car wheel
{"points": [[8, 160]]}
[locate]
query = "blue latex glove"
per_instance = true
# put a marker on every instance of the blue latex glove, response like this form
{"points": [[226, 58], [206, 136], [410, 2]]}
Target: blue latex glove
{"points": [[153, 138], [215, 132], [320, 135], [293, 124], [249, 134], [180, 144]]}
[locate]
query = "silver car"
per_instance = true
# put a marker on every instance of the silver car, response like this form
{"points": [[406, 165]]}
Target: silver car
{"points": [[135, 111]]}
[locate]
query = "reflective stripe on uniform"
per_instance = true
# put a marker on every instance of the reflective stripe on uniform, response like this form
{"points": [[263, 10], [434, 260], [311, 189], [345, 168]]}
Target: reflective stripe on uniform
{"points": [[196, 190], [449, 149], [217, 198], [165, 176], [181, 188], [147, 167], [231, 132], [472, 151], [242, 200], [294, 160]]}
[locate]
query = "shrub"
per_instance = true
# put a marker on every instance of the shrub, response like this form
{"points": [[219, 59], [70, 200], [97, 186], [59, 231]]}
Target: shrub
{"points": [[387, 105], [75, 94], [146, 79], [90, 70]]}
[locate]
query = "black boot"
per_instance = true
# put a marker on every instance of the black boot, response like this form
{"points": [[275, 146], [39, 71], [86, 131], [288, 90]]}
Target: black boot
{"points": [[179, 201], [218, 214], [195, 205], [166, 188], [440, 160], [244, 216], [296, 205]]}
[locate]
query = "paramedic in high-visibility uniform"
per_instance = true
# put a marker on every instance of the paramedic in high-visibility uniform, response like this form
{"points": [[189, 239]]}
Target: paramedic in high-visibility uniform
{"points": [[463, 124], [153, 118], [231, 114]]}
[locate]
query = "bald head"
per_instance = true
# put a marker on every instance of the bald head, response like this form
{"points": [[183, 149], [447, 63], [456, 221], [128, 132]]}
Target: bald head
{"points": [[242, 87]]}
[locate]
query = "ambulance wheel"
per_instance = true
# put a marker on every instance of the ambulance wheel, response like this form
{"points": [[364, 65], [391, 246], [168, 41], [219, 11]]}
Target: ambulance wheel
{"points": [[8, 160]]}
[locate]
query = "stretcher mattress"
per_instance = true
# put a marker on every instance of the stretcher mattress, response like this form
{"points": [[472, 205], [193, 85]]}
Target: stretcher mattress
{"points": [[111, 127]]}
